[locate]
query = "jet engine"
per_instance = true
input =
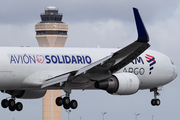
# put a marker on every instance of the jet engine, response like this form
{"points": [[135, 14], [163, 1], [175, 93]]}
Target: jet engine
{"points": [[120, 84], [26, 94]]}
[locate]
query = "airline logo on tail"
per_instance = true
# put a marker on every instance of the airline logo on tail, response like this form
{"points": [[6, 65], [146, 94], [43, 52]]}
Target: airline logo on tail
{"points": [[151, 60]]}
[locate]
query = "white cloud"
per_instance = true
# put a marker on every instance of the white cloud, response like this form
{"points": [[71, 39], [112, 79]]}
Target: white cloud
{"points": [[110, 33], [165, 36], [18, 35]]}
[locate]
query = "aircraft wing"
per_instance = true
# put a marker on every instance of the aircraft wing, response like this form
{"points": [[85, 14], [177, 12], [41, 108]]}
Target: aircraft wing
{"points": [[108, 65]]}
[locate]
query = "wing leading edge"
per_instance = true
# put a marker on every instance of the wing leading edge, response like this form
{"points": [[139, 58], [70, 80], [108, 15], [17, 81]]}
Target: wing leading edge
{"points": [[108, 65]]}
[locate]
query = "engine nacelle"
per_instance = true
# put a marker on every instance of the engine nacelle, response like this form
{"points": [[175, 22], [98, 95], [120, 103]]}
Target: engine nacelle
{"points": [[27, 94], [120, 84]]}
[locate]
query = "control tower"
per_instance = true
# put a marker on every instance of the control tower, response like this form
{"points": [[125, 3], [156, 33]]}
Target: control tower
{"points": [[51, 32]]}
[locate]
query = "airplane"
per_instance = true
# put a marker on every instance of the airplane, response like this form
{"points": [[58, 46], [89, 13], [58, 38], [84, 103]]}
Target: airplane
{"points": [[27, 72]]}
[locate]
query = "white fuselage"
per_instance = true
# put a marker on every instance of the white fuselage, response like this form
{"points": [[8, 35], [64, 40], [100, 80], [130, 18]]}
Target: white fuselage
{"points": [[28, 67]]}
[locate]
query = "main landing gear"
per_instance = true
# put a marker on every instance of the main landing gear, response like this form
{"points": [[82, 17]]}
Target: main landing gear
{"points": [[155, 101], [66, 102], [11, 104]]}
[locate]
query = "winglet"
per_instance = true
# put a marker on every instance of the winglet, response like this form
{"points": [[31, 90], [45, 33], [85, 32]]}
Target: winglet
{"points": [[142, 33]]}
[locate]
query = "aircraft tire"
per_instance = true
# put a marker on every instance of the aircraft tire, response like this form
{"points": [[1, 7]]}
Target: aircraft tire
{"points": [[4, 103], [158, 102], [12, 108], [66, 100], [153, 102], [73, 104], [11, 103], [59, 101], [66, 106], [19, 106]]}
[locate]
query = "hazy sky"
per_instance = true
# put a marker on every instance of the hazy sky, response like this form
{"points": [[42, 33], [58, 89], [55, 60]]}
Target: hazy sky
{"points": [[107, 24]]}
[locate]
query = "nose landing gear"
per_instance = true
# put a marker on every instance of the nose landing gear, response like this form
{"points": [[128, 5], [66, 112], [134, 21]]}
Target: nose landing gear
{"points": [[155, 101]]}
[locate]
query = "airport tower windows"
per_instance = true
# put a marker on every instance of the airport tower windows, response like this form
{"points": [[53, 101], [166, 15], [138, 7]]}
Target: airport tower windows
{"points": [[51, 32]]}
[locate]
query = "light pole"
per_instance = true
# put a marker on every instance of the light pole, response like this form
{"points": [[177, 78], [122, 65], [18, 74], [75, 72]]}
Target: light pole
{"points": [[136, 115], [152, 117], [68, 111], [103, 113]]}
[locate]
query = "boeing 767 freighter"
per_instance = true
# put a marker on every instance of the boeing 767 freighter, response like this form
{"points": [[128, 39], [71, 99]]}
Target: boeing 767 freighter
{"points": [[27, 73]]}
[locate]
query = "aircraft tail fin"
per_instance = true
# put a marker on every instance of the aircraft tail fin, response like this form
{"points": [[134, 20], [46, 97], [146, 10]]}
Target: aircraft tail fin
{"points": [[142, 33]]}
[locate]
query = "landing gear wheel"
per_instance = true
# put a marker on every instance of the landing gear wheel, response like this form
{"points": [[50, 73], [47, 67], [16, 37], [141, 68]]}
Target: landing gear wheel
{"points": [[18, 106], [59, 101], [11, 102], [66, 100], [158, 102], [66, 106], [4, 103], [66, 103], [153, 102], [12, 108], [73, 104]]}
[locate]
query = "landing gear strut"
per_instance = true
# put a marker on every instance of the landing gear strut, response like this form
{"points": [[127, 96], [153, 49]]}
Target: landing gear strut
{"points": [[155, 101], [11, 104]]}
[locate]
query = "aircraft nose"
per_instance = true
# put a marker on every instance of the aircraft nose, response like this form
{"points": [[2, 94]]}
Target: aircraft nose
{"points": [[175, 72]]}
